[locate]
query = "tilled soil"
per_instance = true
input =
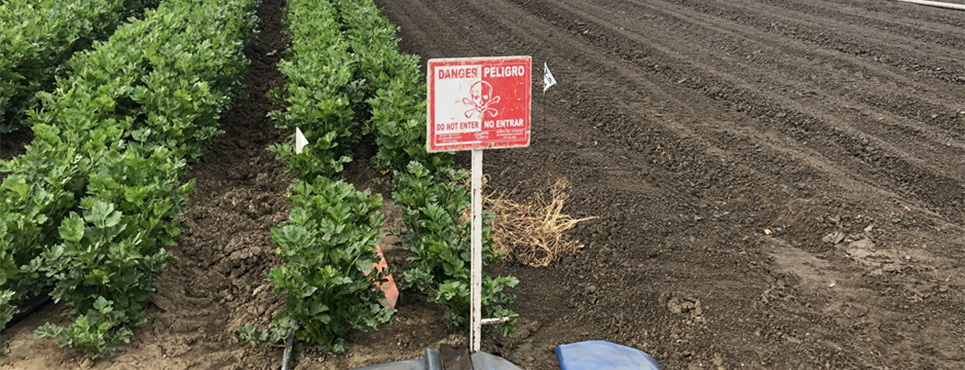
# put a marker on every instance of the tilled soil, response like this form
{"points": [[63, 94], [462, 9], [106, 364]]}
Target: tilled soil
{"points": [[778, 186], [720, 142]]}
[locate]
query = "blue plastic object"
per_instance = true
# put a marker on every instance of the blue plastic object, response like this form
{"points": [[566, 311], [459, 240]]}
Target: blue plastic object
{"points": [[602, 355], [433, 361]]}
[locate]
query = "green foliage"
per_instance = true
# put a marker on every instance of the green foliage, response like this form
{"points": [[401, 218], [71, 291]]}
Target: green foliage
{"points": [[441, 245], [36, 195], [456, 294], [329, 241], [248, 333], [96, 332], [427, 188], [37, 38], [103, 256], [90, 204], [8, 269], [328, 245], [394, 88], [320, 91], [344, 68]]}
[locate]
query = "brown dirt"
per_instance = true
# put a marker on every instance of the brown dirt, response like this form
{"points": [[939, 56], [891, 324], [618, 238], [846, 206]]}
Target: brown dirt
{"points": [[720, 143], [12, 144]]}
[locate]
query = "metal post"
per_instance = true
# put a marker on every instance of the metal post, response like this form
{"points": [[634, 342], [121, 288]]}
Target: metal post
{"points": [[476, 288]]}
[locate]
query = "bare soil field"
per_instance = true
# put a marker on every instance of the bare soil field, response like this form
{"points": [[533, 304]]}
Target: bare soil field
{"points": [[723, 144], [779, 185]]}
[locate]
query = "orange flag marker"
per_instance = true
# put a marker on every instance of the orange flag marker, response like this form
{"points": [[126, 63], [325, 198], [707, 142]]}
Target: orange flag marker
{"points": [[391, 292]]}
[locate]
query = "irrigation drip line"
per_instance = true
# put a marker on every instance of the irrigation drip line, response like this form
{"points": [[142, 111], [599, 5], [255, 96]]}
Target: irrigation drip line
{"points": [[289, 344]]}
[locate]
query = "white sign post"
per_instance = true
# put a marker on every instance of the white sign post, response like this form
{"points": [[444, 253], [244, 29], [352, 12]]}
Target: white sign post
{"points": [[475, 331], [476, 104]]}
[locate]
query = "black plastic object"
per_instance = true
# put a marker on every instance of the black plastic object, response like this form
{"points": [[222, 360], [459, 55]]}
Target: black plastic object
{"points": [[33, 306], [289, 344]]}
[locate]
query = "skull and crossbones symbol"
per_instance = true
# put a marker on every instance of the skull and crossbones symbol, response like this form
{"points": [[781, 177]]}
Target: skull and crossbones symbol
{"points": [[482, 98]]}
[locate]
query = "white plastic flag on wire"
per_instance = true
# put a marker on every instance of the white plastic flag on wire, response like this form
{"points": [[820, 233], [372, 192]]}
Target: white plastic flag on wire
{"points": [[548, 79], [300, 141]]}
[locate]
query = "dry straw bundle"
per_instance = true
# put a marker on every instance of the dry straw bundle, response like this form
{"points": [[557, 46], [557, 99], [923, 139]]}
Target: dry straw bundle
{"points": [[533, 233]]}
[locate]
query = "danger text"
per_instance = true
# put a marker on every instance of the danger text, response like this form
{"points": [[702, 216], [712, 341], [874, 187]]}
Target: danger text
{"points": [[458, 73]]}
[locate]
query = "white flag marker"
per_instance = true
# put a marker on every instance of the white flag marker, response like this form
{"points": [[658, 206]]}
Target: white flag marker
{"points": [[300, 141], [548, 79]]}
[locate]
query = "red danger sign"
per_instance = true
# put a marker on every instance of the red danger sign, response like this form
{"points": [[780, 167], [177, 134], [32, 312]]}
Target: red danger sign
{"points": [[478, 103]]}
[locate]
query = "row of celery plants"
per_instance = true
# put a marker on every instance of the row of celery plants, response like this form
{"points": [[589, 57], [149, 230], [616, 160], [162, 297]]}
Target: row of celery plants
{"points": [[428, 188], [90, 205], [343, 68], [37, 38], [328, 244]]}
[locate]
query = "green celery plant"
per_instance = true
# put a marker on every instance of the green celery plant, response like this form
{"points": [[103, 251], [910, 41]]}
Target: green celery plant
{"points": [[101, 257], [394, 88], [328, 244], [441, 246], [8, 269], [426, 187], [90, 203], [319, 93], [37, 38]]}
